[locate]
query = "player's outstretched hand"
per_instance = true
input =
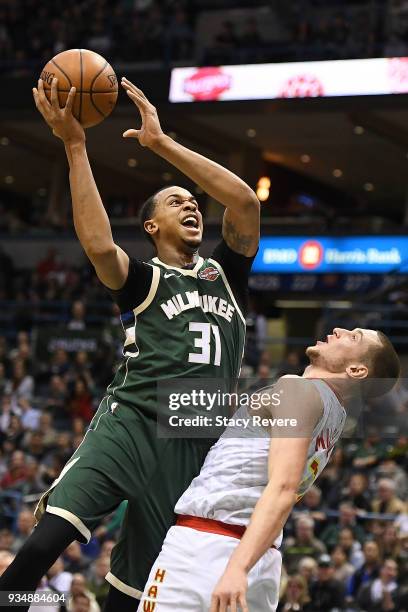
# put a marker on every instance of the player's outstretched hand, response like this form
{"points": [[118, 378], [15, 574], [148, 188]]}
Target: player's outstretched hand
{"points": [[61, 120], [230, 593], [150, 131]]}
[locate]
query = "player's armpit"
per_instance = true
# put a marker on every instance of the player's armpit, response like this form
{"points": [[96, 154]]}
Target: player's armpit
{"points": [[240, 228], [111, 266]]}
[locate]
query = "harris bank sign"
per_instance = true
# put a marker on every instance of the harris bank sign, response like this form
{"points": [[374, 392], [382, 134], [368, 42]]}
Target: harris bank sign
{"points": [[358, 254]]}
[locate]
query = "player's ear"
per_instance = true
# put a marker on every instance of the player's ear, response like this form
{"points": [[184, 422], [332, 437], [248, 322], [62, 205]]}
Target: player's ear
{"points": [[357, 371], [151, 227]]}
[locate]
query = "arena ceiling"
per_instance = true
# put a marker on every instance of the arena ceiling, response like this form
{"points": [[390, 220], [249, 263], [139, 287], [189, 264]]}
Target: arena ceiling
{"points": [[365, 141]]}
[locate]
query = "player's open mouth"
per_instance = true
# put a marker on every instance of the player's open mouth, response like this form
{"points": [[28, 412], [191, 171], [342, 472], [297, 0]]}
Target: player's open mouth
{"points": [[191, 222], [323, 341]]}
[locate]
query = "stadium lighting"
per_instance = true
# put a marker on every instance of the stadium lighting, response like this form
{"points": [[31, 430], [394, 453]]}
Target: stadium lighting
{"points": [[262, 188]]}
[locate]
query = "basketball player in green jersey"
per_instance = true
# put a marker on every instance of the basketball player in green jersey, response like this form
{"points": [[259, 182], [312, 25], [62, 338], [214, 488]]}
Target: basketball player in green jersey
{"points": [[183, 316]]}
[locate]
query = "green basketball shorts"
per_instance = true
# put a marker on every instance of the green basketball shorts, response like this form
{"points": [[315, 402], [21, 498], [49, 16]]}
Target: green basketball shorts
{"points": [[120, 458]]}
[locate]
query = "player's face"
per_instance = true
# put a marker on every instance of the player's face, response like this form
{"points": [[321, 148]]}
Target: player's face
{"points": [[344, 349], [177, 219]]}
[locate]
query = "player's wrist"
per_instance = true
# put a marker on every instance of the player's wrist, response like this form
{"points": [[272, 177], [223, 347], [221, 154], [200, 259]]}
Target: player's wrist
{"points": [[160, 143], [237, 564], [73, 143]]}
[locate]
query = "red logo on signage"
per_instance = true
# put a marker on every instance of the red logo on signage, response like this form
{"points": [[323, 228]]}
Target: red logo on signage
{"points": [[302, 86], [207, 84], [398, 74], [311, 255], [209, 274]]}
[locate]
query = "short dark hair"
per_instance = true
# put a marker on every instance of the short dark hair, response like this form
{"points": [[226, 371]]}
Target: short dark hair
{"points": [[383, 368]]}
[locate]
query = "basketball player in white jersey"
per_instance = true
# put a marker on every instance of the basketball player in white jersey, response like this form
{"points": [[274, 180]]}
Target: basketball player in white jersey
{"points": [[223, 553]]}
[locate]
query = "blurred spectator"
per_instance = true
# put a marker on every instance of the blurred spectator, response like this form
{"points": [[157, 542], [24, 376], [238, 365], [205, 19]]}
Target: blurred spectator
{"points": [[311, 503], [307, 568], [381, 594], [96, 581], [59, 363], [21, 384], [32, 483], [296, 596], [79, 588], [390, 469], [351, 547], [389, 544], [368, 571], [58, 578], [74, 560], [77, 322], [356, 493], [326, 592], [16, 470], [47, 429], [386, 500], [34, 445], [25, 524], [80, 403], [370, 451], [347, 519], [6, 539], [304, 543], [6, 412], [30, 417], [342, 568], [6, 558]]}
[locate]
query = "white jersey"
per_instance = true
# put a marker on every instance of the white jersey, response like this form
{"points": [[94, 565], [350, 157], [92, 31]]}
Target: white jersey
{"points": [[235, 471]]}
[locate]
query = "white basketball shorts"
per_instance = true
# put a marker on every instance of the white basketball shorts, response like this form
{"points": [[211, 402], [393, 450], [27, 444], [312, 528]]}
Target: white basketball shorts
{"points": [[189, 566]]}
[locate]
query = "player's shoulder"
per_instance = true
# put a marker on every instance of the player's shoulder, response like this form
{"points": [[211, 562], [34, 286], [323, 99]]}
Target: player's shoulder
{"points": [[299, 389]]}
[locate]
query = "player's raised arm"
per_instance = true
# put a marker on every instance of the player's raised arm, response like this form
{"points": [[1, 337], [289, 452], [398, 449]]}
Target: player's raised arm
{"points": [[241, 219], [287, 458], [90, 219]]}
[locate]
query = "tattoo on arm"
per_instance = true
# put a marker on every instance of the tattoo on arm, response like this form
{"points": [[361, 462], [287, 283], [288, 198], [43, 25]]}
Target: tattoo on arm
{"points": [[241, 243]]}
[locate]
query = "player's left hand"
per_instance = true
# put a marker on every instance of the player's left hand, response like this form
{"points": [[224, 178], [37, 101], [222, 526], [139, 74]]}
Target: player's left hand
{"points": [[230, 593], [150, 132]]}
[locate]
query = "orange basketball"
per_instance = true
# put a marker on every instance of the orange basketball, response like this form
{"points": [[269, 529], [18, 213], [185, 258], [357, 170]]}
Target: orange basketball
{"points": [[95, 81]]}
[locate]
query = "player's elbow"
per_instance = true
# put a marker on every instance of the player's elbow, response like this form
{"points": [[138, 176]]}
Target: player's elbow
{"points": [[286, 491], [98, 251], [249, 202]]}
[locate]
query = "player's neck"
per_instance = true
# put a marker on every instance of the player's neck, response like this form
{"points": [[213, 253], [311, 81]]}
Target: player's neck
{"points": [[314, 371], [170, 256], [336, 381]]}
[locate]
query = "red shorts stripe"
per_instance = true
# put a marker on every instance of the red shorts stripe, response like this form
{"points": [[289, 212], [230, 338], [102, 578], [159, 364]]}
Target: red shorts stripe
{"points": [[210, 526]]}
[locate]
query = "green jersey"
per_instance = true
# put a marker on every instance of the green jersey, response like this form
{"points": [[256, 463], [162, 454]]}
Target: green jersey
{"points": [[190, 325]]}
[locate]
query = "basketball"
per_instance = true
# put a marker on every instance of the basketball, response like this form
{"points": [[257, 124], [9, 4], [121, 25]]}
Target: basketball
{"points": [[92, 76]]}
